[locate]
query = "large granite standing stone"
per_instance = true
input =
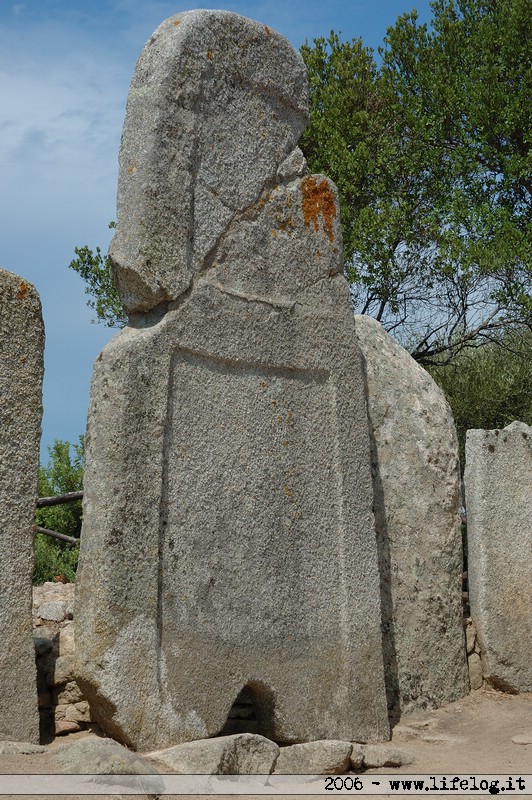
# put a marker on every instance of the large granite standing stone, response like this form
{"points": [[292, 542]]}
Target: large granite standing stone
{"points": [[417, 497], [498, 483], [228, 538], [21, 374]]}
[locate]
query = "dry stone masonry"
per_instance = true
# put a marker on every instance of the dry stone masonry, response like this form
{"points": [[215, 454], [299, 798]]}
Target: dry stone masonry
{"points": [[417, 496], [498, 478], [62, 707], [21, 373], [228, 540]]}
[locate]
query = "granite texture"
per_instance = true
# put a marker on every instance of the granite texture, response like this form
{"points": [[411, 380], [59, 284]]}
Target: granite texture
{"points": [[217, 102], [228, 538], [498, 481], [417, 498], [21, 374]]}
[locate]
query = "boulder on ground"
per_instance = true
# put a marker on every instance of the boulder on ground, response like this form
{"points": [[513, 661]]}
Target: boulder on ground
{"points": [[241, 754], [326, 757]]}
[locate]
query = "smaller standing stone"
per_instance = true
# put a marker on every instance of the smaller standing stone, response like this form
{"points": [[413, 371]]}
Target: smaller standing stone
{"points": [[498, 482], [416, 485], [21, 373]]}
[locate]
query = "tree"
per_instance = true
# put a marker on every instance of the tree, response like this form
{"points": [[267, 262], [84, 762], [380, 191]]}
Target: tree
{"points": [[62, 474], [96, 271], [489, 387], [431, 153]]}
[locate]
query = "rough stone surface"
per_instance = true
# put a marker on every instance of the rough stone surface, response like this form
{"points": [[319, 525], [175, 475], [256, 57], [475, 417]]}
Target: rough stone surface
{"points": [[228, 499], [14, 748], [356, 758], [498, 481], [417, 495], [100, 757], [217, 102], [241, 754], [522, 738], [381, 755], [62, 707], [327, 757], [63, 671], [474, 664], [53, 610], [471, 636], [21, 373]]}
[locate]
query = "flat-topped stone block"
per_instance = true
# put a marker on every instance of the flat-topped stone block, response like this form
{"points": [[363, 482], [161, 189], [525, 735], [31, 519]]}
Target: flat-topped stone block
{"points": [[498, 482]]}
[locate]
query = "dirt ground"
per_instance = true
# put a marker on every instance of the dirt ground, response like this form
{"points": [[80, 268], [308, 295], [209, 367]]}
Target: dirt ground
{"points": [[470, 737]]}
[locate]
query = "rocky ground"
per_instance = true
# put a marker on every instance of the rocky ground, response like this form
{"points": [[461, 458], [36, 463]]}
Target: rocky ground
{"points": [[485, 733]]}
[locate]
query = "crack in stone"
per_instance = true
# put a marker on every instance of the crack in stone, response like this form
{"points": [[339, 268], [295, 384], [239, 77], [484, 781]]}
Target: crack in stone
{"points": [[156, 315], [250, 298]]}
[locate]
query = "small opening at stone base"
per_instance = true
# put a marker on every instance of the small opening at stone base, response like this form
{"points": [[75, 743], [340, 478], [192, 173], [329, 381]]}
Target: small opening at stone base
{"points": [[242, 717], [251, 712]]}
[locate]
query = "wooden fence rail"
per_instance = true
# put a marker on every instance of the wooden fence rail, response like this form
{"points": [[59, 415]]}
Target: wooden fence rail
{"points": [[56, 500]]}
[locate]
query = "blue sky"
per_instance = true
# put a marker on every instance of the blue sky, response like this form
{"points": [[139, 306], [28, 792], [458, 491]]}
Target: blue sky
{"points": [[65, 68]]}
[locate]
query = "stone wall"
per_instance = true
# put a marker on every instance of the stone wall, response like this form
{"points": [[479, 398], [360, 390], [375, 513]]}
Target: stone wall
{"points": [[62, 707]]}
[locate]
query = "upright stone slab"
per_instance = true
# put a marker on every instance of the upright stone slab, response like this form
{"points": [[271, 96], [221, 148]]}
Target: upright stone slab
{"points": [[228, 537], [417, 496], [21, 373], [498, 483]]}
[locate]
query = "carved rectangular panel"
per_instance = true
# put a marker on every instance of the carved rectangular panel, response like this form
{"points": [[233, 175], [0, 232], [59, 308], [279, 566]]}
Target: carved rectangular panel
{"points": [[251, 516]]}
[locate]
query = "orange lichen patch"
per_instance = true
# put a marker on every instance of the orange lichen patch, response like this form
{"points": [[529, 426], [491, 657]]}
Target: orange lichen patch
{"points": [[318, 199], [176, 22], [210, 55], [23, 290], [132, 169], [268, 30]]}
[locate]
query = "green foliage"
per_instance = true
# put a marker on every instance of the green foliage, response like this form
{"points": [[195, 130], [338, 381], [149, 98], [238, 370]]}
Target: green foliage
{"points": [[62, 474], [96, 271], [491, 386], [431, 153], [53, 560]]}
